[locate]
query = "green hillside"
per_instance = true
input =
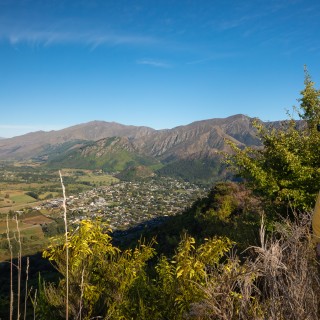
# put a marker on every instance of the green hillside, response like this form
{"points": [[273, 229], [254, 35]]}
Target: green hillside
{"points": [[111, 156], [52, 151], [135, 173], [204, 171]]}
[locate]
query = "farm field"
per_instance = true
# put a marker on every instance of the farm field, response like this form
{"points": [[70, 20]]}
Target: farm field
{"points": [[24, 186], [31, 234], [92, 177], [10, 198]]}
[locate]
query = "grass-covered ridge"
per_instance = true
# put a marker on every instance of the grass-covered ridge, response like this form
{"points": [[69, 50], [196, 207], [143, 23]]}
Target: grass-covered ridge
{"points": [[111, 155]]}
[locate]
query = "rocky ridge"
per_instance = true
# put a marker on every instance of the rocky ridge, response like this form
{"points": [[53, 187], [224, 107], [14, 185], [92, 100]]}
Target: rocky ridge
{"points": [[200, 139]]}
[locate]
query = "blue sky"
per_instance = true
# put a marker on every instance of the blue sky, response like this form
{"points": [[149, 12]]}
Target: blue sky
{"points": [[157, 63]]}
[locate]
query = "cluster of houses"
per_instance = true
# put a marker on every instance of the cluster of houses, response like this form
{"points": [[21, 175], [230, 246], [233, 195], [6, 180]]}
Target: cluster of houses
{"points": [[127, 204]]}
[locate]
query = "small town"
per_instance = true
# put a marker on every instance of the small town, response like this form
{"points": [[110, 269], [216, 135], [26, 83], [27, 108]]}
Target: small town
{"points": [[127, 204]]}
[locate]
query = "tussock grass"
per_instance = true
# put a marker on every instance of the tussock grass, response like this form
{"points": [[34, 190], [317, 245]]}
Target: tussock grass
{"points": [[279, 280]]}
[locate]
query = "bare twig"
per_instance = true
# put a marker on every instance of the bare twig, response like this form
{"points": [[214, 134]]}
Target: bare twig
{"points": [[11, 269], [81, 297], [19, 268], [35, 305]]}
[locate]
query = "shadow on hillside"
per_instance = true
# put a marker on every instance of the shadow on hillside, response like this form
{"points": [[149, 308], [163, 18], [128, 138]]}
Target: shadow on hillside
{"points": [[123, 237], [37, 266]]}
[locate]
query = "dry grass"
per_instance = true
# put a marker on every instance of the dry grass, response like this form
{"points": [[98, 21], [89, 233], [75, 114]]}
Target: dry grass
{"points": [[279, 281]]}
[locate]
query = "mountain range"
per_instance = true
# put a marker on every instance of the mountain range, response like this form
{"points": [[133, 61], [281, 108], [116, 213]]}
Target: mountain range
{"points": [[116, 147]]}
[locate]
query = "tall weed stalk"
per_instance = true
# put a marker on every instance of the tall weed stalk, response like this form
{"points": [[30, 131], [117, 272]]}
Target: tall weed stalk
{"points": [[11, 270], [19, 267], [26, 289], [66, 243]]}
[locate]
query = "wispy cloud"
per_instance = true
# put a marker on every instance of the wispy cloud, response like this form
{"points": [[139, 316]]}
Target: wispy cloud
{"points": [[234, 23], [69, 31], [247, 15], [213, 57], [154, 63], [92, 39]]}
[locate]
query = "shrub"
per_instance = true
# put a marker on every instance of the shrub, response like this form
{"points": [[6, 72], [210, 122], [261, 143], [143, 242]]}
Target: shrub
{"points": [[286, 171]]}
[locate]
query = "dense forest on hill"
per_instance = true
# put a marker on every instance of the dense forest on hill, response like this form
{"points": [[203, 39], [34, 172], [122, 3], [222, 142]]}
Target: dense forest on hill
{"points": [[199, 171], [245, 251]]}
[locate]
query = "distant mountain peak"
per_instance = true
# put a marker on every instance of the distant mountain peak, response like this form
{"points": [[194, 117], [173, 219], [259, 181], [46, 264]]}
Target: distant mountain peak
{"points": [[199, 138]]}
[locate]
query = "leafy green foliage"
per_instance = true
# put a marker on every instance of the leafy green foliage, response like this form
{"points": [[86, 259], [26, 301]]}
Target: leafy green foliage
{"points": [[179, 280], [100, 275], [229, 210], [105, 281], [310, 102], [286, 172]]}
